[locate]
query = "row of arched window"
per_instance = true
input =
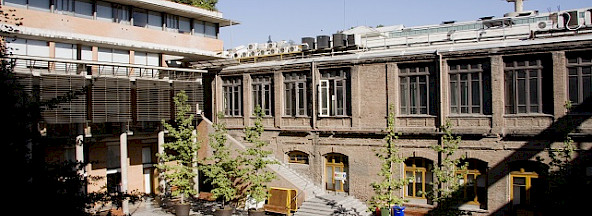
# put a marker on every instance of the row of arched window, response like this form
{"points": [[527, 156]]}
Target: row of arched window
{"points": [[524, 178]]}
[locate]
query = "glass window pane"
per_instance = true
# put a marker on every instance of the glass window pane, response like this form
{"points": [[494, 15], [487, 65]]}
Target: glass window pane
{"points": [[154, 20], [211, 30], [18, 3], [184, 25], [199, 28], [42, 5], [573, 89], [140, 18], [104, 11], [83, 8]]}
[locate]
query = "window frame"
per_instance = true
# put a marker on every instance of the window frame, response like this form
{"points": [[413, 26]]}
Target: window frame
{"points": [[411, 76], [262, 90], [578, 65], [414, 168], [232, 96], [294, 155], [512, 89], [330, 83], [455, 93], [293, 106]]}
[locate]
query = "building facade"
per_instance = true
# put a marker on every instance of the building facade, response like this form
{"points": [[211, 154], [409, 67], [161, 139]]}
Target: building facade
{"points": [[109, 69], [510, 90]]}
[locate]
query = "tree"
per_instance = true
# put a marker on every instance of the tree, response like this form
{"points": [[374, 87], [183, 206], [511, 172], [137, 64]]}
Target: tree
{"points": [[385, 190], [205, 4], [448, 173], [222, 169], [179, 156], [254, 159]]}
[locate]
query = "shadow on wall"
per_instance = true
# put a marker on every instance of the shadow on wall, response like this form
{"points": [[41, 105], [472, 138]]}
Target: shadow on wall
{"points": [[564, 191]]}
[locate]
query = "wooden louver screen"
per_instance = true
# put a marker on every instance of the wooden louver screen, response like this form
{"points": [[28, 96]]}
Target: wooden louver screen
{"points": [[69, 98], [153, 100], [194, 91], [111, 100]]}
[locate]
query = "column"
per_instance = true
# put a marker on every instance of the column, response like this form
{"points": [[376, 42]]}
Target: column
{"points": [[278, 94], [559, 84], [161, 182], [497, 94], [246, 100], [195, 164], [124, 165], [355, 99]]}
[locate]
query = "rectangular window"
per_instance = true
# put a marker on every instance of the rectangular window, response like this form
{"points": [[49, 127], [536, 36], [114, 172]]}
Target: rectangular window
{"points": [[64, 6], [104, 11], [417, 89], [172, 23], [121, 14], [232, 90], [262, 90], [199, 28], [42, 5], [83, 8], [184, 25], [154, 20], [140, 17], [579, 68], [333, 93], [469, 88], [17, 3], [296, 91], [65, 51], [211, 30], [524, 85]]}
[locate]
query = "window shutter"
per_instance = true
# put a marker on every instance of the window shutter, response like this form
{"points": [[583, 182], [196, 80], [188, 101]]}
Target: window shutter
{"points": [[153, 100], [71, 110]]}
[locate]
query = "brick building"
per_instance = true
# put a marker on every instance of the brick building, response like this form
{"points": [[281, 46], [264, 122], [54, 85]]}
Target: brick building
{"points": [[503, 83]]}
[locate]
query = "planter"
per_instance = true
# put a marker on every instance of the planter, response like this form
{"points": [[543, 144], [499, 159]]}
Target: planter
{"points": [[182, 209], [223, 212], [256, 212]]}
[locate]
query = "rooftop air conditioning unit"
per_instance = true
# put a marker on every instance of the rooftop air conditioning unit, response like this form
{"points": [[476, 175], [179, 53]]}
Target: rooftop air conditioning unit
{"points": [[323, 42], [283, 43], [543, 25], [252, 46], [296, 48], [273, 51], [309, 41], [572, 20], [272, 45]]}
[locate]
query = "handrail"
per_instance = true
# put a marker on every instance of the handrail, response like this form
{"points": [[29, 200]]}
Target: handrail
{"points": [[98, 63]]}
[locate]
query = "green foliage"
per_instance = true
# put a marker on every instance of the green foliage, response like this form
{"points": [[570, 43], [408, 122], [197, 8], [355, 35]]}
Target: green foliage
{"points": [[254, 159], [448, 173], [222, 169], [182, 150], [385, 190], [205, 4]]}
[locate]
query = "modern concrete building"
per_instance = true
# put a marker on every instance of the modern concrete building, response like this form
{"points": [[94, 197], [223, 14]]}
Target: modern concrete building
{"points": [[120, 63], [502, 83]]}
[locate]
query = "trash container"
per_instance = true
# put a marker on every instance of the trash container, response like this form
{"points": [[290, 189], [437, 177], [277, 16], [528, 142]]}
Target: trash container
{"points": [[398, 210]]}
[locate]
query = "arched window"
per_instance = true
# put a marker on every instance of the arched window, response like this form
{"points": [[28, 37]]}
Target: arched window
{"points": [[419, 173], [298, 157], [474, 181]]}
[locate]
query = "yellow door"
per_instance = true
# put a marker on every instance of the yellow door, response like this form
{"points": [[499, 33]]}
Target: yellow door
{"points": [[335, 163]]}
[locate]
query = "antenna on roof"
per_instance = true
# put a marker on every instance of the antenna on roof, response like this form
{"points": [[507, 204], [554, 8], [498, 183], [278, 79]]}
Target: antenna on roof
{"points": [[269, 39]]}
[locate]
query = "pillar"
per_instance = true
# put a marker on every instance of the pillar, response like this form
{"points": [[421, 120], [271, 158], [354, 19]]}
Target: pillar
{"points": [[161, 182], [124, 166]]}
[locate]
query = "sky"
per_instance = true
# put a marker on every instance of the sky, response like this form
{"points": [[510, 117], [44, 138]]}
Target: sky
{"points": [[293, 19]]}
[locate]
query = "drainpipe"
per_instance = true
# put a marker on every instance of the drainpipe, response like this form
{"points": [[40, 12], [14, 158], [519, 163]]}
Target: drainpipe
{"points": [[441, 117]]}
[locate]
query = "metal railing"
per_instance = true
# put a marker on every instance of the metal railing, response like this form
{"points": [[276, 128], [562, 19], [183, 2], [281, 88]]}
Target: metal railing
{"points": [[43, 65]]}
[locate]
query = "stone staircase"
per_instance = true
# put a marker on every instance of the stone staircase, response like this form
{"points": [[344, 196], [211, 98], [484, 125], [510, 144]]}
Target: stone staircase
{"points": [[332, 204], [317, 201]]}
